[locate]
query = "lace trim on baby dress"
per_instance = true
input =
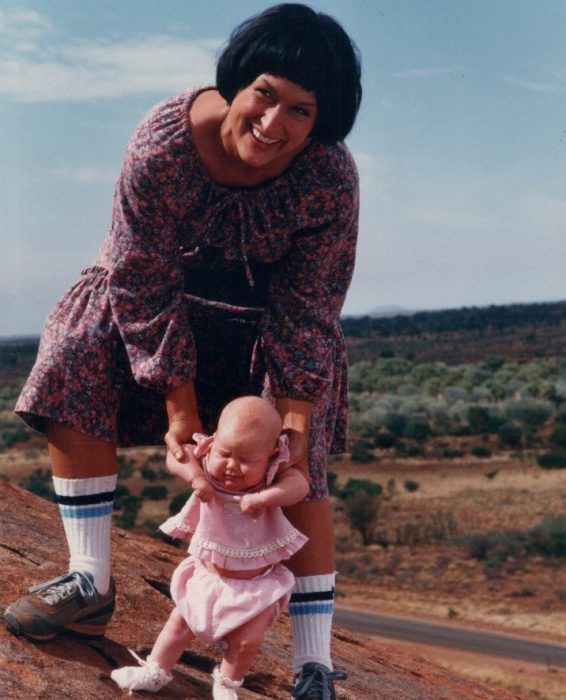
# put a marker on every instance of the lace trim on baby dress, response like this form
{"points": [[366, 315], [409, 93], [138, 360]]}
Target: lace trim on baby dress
{"points": [[279, 543]]}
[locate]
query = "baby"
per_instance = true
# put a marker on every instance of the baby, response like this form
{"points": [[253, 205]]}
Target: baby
{"points": [[232, 586]]}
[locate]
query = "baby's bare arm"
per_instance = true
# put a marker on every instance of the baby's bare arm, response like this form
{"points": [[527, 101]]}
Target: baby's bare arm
{"points": [[290, 488]]}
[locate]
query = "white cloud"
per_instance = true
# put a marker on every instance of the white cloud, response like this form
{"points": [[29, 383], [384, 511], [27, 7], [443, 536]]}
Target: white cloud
{"points": [[35, 69], [531, 85], [22, 23]]}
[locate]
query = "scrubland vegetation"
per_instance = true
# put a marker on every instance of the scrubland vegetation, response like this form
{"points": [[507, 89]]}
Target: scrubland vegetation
{"points": [[399, 409]]}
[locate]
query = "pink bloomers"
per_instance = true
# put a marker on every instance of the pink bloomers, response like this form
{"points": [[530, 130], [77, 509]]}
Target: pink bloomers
{"points": [[214, 605]]}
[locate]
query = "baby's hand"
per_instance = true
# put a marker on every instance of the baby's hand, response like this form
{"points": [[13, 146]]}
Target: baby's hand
{"points": [[202, 488], [251, 503]]}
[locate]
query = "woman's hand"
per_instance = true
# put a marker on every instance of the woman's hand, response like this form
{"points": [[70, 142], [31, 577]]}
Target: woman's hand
{"points": [[181, 431]]}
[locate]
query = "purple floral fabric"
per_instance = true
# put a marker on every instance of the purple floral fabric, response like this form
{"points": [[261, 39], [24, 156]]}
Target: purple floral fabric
{"points": [[126, 333]]}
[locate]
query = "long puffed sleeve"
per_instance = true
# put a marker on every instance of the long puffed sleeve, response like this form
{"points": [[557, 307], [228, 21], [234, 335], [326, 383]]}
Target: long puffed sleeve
{"points": [[141, 253], [301, 336]]}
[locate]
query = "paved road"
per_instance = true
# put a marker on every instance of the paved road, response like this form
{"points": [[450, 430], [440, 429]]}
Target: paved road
{"points": [[451, 636]]}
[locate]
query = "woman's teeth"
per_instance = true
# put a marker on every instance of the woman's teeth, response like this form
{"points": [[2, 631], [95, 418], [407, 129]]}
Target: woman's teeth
{"points": [[261, 138]]}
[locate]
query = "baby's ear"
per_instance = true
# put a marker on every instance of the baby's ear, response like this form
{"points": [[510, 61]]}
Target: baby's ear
{"points": [[204, 443]]}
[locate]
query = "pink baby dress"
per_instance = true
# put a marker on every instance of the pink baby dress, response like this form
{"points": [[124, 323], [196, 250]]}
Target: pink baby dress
{"points": [[221, 533]]}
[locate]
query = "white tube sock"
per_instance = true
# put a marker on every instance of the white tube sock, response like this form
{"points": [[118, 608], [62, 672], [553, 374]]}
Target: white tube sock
{"points": [[86, 509], [310, 609]]}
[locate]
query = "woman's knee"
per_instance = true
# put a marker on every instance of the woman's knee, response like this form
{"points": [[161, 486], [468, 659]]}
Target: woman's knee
{"points": [[76, 455]]}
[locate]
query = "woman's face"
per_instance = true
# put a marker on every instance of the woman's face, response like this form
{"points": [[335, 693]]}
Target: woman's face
{"points": [[269, 122]]}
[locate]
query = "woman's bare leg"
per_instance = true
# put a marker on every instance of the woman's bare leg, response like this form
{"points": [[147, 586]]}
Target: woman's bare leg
{"points": [[76, 455]]}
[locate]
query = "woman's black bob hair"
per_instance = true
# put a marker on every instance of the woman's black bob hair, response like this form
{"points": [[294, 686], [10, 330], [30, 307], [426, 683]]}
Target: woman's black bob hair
{"points": [[310, 49]]}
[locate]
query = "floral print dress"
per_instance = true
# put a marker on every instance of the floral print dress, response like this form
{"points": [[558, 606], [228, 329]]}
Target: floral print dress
{"points": [[237, 288]]}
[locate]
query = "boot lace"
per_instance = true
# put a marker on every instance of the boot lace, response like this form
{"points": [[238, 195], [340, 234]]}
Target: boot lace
{"points": [[317, 683]]}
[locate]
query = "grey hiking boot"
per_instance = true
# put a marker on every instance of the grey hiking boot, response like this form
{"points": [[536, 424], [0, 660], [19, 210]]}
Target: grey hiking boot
{"points": [[316, 682], [69, 602]]}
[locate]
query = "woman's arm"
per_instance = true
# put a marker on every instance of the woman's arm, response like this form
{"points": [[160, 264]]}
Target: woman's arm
{"points": [[141, 251], [300, 331], [184, 420], [296, 419]]}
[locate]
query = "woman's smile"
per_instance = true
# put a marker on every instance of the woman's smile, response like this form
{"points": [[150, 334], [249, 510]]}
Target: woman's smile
{"points": [[261, 138]]}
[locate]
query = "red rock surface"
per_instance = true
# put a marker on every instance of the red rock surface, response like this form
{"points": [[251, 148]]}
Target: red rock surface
{"points": [[33, 549]]}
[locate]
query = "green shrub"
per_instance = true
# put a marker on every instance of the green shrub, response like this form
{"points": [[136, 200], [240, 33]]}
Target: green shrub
{"points": [[178, 501], [547, 539], [361, 452], [125, 467], [331, 478], [482, 420], [127, 514], [12, 433], [149, 473], [385, 440], [40, 483], [155, 492], [120, 495], [395, 423], [481, 451], [558, 436], [510, 435], [362, 510], [552, 460], [531, 413], [417, 428], [355, 486], [411, 485], [452, 453]]}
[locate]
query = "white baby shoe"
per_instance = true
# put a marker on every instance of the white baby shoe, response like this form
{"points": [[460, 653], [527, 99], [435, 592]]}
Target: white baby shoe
{"points": [[224, 688], [147, 676]]}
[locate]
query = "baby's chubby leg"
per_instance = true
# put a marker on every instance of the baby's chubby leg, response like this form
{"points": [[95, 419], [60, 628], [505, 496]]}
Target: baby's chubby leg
{"points": [[243, 645], [171, 641], [155, 672]]}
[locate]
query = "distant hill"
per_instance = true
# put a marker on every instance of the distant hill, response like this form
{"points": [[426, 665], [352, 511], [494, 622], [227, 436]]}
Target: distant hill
{"points": [[515, 332]]}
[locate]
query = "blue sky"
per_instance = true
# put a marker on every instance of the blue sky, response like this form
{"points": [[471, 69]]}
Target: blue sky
{"points": [[460, 142]]}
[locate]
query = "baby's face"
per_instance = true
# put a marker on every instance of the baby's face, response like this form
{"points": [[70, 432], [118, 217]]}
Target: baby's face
{"points": [[237, 459]]}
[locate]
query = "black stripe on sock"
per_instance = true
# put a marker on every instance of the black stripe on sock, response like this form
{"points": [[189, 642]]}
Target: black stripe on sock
{"points": [[89, 500], [309, 597]]}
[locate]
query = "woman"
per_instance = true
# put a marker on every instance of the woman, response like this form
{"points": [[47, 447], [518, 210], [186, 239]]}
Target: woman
{"points": [[223, 273]]}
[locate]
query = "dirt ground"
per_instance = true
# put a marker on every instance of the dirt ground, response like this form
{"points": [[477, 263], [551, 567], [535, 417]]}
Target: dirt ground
{"points": [[437, 580]]}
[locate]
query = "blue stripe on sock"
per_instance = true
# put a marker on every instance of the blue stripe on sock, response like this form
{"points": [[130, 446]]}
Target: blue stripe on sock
{"points": [[85, 512], [311, 609]]}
